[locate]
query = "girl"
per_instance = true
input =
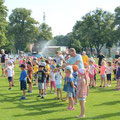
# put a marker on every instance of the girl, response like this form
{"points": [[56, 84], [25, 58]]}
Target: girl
{"points": [[52, 78], [69, 86], [82, 91], [35, 70], [47, 67], [58, 82], [109, 72], [91, 72], [102, 73], [29, 78]]}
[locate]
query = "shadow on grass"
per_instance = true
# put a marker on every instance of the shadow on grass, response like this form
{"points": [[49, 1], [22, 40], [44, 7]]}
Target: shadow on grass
{"points": [[109, 103]]}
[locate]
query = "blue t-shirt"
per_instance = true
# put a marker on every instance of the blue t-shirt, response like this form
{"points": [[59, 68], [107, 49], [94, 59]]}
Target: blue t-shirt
{"points": [[73, 60], [67, 84], [23, 76]]}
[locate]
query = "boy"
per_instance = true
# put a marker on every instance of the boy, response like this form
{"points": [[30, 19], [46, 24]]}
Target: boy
{"points": [[9, 70], [23, 85], [41, 79]]}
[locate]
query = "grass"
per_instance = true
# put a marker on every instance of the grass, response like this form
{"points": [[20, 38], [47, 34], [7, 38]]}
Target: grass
{"points": [[102, 104]]}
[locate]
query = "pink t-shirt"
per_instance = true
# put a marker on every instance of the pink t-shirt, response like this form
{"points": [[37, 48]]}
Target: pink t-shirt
{"points": [[95, 69], [102, 70], [21, 61]]}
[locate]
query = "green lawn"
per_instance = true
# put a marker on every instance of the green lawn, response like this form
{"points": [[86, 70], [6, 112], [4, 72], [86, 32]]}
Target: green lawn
{"points": [[102, 104]]}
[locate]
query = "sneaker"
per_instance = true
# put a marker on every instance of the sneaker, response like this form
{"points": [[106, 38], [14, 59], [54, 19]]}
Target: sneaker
{"points": [[23, 98], [12, 85], [39, 96], [34, 84], [9, 88], [103, 86], [72, 108], [29, 91], [42, 97]]}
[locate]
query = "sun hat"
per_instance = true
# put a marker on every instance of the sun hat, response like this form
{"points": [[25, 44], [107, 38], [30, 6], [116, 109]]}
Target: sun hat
{"points": [[69, 68]]}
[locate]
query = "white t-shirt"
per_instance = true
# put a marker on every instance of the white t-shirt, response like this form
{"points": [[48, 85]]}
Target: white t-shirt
{"points": [[92, 67], [108, 70], [59, 59], [58, 78], [10, 71], [52, 76]]}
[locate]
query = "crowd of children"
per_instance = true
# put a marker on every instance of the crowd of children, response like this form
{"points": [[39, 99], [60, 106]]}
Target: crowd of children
{"points": [[47, 73]]}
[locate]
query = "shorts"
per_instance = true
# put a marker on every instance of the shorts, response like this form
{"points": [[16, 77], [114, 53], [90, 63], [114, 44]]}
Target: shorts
{"points": [[82, 99], [47, 79], [114, 71], [23, 85], [69, 94], [41, 86], [95, 77], [91, 76], [2, 65], [58, 85], [10, 79], [108, 77], [29, 81], [75, 92], [103, 76], [52, 84], [35, 76]]}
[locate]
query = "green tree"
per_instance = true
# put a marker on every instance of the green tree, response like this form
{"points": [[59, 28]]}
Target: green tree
{"points": [[45, 33], [3, 23], [23, 28], [95, 29]]}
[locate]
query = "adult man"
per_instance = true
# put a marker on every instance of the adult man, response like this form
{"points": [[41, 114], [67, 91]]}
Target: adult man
{"points": [[100, 58], [117, 54], [2, 60], [75, 59], [84, 57]]}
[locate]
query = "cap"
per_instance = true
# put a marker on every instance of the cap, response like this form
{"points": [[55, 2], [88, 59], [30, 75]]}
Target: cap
{"points": [[42, 64], [35, 58], [52, 66], [58, 65], [69, 68], [22, 65], [10, 62]]}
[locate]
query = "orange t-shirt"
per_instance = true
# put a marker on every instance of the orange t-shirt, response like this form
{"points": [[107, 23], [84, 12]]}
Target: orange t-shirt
{"points": [[102, 70]]}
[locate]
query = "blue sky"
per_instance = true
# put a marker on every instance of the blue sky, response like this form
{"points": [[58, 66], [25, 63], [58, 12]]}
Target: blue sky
{"points": [[61, 15]]}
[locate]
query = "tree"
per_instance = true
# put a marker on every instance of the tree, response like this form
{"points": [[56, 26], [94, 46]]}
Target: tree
{"points": [[95, 29], [3, 23], [45, 33], [23, 28]]}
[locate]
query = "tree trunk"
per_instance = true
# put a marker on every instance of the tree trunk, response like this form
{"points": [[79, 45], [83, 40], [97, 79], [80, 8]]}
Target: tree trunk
{"points": [[109, 52]]}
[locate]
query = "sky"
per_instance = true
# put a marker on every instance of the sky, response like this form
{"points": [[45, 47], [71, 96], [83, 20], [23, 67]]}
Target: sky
{"points": [[61, 15]]}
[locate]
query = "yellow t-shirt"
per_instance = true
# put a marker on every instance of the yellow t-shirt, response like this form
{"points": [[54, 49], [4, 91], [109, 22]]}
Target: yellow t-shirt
{"points": [[35, 68], [47, 67], [85, 59]]}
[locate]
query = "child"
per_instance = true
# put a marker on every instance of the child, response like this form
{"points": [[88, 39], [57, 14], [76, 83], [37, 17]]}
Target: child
{"points": [[6, 65], [109, 72], [69, 86], [115, 68], [102, 73], [41, 79], [29, 78], [75, 73], [52, 78], [35, 70], [47, 67], [24, 62], [58, 82], [23, 85], [118, 77], [91, 72], [82, 91], [9, 70]]}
